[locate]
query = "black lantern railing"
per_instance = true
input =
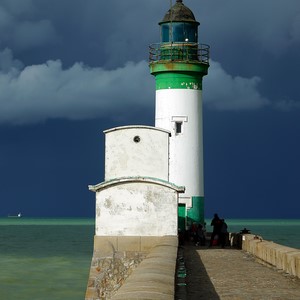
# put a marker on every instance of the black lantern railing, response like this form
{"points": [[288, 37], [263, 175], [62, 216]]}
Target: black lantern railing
{"points": [[179, 52]]}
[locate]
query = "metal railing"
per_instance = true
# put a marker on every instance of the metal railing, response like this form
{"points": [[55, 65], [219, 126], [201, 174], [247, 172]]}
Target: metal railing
{"points": [[179, 52]]}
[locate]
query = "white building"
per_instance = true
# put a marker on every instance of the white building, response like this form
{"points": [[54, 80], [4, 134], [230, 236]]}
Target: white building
{"points": [[136, 198]]}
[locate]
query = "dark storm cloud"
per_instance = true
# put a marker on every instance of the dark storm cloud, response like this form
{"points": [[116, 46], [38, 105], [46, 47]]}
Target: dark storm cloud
{"points": [[255, 39], [21, 28], [264, 26], [232, 93], [84, 59]]}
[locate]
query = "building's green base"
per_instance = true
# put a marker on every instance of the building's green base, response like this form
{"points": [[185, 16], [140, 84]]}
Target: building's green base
{"points": [[196, 212], [181, 217], [194, 215]]}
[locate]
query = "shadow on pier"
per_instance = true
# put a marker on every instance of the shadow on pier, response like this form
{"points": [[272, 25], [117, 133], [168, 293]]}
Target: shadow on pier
{"points": [[216, 273], [198, 283]]}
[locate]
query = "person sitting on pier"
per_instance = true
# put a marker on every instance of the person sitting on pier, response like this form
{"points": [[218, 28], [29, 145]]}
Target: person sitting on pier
{"points": [[245, 231], [200, 235]]}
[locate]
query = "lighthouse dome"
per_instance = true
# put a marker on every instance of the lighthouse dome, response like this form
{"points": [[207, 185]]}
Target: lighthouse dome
{"points": [[179, 13]]}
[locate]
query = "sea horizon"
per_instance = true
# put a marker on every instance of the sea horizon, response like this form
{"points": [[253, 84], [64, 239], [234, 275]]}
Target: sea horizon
{"points": [[283, 231]]}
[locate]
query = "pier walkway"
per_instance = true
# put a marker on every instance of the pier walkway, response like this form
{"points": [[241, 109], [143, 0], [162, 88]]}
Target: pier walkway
{"points": [[231, 274]]}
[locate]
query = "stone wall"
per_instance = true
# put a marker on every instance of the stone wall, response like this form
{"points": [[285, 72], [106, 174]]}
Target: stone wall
{"points": [[132, 266], [154, 278], [279, 256], [108, 272]]}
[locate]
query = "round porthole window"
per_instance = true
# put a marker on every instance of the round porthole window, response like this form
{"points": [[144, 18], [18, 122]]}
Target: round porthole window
{"points": [[136, 139]]}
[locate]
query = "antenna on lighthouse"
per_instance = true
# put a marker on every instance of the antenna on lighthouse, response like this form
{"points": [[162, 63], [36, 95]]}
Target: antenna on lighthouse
{"points": [[171, 28], [171, 25]]}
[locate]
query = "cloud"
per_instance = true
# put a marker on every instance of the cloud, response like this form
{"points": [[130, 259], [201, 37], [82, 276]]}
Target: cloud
{"points": [[21, 28], [33, 34], [287, 105], [40, 92], [18, 7], [271, 26], [225, 92], [6, 20], [8, 63], [295, 29]]}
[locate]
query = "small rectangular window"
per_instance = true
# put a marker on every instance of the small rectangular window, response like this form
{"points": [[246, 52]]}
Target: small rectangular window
{"points": [[178, 127]]}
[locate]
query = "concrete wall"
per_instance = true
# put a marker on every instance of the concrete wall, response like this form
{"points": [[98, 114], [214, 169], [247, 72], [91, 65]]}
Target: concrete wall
{"points": [[136, 151], [136, 207], [133, 268], [282, 257]]}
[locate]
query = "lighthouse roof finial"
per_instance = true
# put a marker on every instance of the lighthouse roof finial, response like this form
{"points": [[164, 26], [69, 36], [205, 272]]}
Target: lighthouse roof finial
{"points": [[179, 13]]}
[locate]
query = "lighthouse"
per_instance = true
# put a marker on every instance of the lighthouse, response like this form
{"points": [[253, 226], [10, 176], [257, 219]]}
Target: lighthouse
{"points": [[153, 175], [178, 64]]}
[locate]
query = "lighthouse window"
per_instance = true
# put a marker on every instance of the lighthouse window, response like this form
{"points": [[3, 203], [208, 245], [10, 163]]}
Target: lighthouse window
{"points": [[181, 32], [178, 127], [178, 123], [165, 33]]}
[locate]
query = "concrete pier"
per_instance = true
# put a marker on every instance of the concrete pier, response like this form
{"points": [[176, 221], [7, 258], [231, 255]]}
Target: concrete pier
{"points": [[157, 268], [216, 273]]}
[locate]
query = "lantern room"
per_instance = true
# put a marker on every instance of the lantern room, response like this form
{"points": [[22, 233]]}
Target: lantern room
{"points": [[179, 25]]}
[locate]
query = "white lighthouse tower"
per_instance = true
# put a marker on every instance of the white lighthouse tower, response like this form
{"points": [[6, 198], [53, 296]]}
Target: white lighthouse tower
{"points": [[179, 63]]}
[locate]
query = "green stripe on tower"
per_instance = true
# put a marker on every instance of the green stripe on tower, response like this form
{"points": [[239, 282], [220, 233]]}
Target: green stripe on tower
{"points": [[178, 80], [196, 212], [178, 75], [181, 216]]}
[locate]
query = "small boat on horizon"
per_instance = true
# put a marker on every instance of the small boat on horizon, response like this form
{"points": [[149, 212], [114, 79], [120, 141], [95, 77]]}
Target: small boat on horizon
{"points": [[19, 215]]}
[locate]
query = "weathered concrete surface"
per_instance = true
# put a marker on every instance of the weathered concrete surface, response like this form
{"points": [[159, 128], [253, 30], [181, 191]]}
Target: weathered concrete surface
{"points": [[133, 268], [136, 151], [154, 278], [136, 206], [282, 257], [231, 274]]}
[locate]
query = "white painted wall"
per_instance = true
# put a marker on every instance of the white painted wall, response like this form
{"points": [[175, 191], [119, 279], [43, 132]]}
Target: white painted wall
{"points": [[124, 157], [186, 149], [136, 208]]}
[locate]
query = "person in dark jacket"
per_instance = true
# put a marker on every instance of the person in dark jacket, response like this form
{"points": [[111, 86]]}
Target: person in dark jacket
{"points": [[223, 233], [216, 224]]}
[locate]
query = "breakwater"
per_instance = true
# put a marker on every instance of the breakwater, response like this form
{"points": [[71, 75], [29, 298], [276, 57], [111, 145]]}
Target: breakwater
{"points": [[133, 268], [231, 273], [281, 257], [145, 268]]}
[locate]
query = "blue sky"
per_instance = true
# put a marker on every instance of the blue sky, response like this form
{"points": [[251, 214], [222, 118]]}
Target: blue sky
{"points": [[70, 69]]}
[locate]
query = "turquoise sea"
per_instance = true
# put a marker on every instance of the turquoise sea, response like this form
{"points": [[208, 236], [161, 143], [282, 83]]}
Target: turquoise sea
{"points": [[49, 259], [281, 231], [45, 259]]}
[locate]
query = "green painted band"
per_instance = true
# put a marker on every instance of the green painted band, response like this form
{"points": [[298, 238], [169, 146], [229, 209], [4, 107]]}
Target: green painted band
{"points": [[196, 212], [178, 75], [178, 80]]}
